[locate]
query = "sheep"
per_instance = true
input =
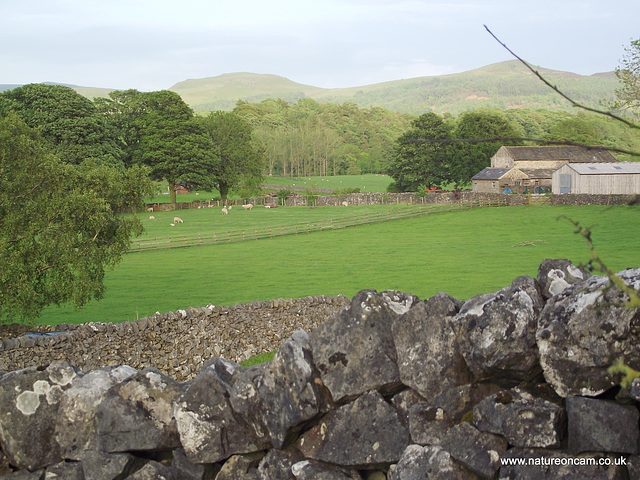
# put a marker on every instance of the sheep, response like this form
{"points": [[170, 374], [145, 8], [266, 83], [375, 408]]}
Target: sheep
{"points": [[267, 206], [151, 217], [248, 206], [177, 220], [172, 224], [149, 209], [345, 204], [224, 211]]}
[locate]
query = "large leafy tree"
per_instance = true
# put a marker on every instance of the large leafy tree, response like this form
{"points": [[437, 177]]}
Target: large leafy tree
{"points": [[234, 160], [422, 154], [159, 130], [477, 129], [579, 129], [628, 94], [59, 223], [73, 127]]}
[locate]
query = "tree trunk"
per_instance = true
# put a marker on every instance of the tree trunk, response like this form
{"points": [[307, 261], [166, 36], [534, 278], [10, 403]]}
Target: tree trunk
{"points": [[172, 192], [224, 191]]}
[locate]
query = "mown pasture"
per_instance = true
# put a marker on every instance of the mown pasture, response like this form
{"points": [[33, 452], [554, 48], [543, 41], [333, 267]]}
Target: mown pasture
{"points": [[461, 253], [365, 182]]}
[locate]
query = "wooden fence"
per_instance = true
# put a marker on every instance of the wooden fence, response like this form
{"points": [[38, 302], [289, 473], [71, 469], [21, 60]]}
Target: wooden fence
{"points": [[258, 233]]}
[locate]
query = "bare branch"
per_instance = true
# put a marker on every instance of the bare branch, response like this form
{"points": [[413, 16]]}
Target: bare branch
{"points": [[559, 92]]}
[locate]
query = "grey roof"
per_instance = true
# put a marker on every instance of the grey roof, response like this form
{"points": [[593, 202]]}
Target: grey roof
{"points": [[606, 168], [538, 172], [596, 153], [490, 173]]}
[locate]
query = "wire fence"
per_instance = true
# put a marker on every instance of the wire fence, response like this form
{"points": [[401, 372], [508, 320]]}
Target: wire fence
{"points": [[257, 233]]}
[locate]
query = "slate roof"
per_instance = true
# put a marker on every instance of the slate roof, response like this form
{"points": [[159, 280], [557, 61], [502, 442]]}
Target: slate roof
{"points": [[538, 172], [490, 173], [572, 154], [620, 168]]}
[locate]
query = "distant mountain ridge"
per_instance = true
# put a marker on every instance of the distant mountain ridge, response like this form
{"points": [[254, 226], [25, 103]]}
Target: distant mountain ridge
{"points": [[501, 85]]}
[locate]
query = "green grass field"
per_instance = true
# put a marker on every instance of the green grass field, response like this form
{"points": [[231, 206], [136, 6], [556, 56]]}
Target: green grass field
{"points": [[461, 253], [366, 183]]}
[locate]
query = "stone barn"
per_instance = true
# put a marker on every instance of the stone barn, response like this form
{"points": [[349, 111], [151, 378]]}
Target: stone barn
{"points": [[539, 162], [498, 180], [620, 178]]}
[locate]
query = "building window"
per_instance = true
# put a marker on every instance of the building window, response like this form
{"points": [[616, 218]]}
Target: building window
{"points": [[565, 183]]}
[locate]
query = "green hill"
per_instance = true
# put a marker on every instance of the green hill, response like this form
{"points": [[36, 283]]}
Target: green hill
{"points": [[501, 85], [222, 92]]}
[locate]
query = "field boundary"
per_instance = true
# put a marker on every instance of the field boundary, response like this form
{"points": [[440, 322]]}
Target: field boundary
{"points": [[235, 236]]}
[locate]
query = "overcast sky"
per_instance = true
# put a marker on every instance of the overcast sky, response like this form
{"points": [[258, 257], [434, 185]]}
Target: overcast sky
{"points": [[153, 44]]}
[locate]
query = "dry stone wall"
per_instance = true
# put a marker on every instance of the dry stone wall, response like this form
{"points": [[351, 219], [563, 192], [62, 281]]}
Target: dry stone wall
{"points": [[513, 384], [176, 343], [443, 197]]}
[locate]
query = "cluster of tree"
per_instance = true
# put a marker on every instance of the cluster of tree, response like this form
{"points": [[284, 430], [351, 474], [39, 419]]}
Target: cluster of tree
{"points": [[442, 150], [69, 166], [437, 150], [311, 138]]}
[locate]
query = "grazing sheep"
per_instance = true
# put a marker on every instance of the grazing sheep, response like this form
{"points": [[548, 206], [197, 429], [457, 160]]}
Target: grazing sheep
{"points": [[151, 217], [267, 206], [150, 209], [248, 206], [224, 211], [177, 220], [345, 204]]}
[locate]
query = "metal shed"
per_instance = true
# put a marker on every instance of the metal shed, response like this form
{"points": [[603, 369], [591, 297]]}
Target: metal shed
{"points": [[597, 178]]}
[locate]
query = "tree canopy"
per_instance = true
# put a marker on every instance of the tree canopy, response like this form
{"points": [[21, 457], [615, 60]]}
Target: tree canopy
{"points": [[311, 138], [471, 157], [159, 130], [59, 223], [628, 94], [233, 159], [76, 132], [422, 155]]}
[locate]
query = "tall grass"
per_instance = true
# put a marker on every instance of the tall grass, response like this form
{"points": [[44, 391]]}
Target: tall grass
{"points": [[462, 253]]}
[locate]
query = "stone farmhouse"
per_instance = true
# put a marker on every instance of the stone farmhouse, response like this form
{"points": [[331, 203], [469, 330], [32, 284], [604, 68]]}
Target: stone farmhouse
{"points": [[522, 169]]}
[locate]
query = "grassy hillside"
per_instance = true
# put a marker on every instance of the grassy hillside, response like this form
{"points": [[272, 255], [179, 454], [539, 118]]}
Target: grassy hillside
{"points": [[502, 85], [222, 92]]}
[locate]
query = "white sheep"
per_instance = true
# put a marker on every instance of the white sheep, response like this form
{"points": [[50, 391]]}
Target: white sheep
{"points": [[150, 209], [248, 206], [177, 220], [345, 204], [267, 206], [151, 217], [224, 211], [172, 224]]}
